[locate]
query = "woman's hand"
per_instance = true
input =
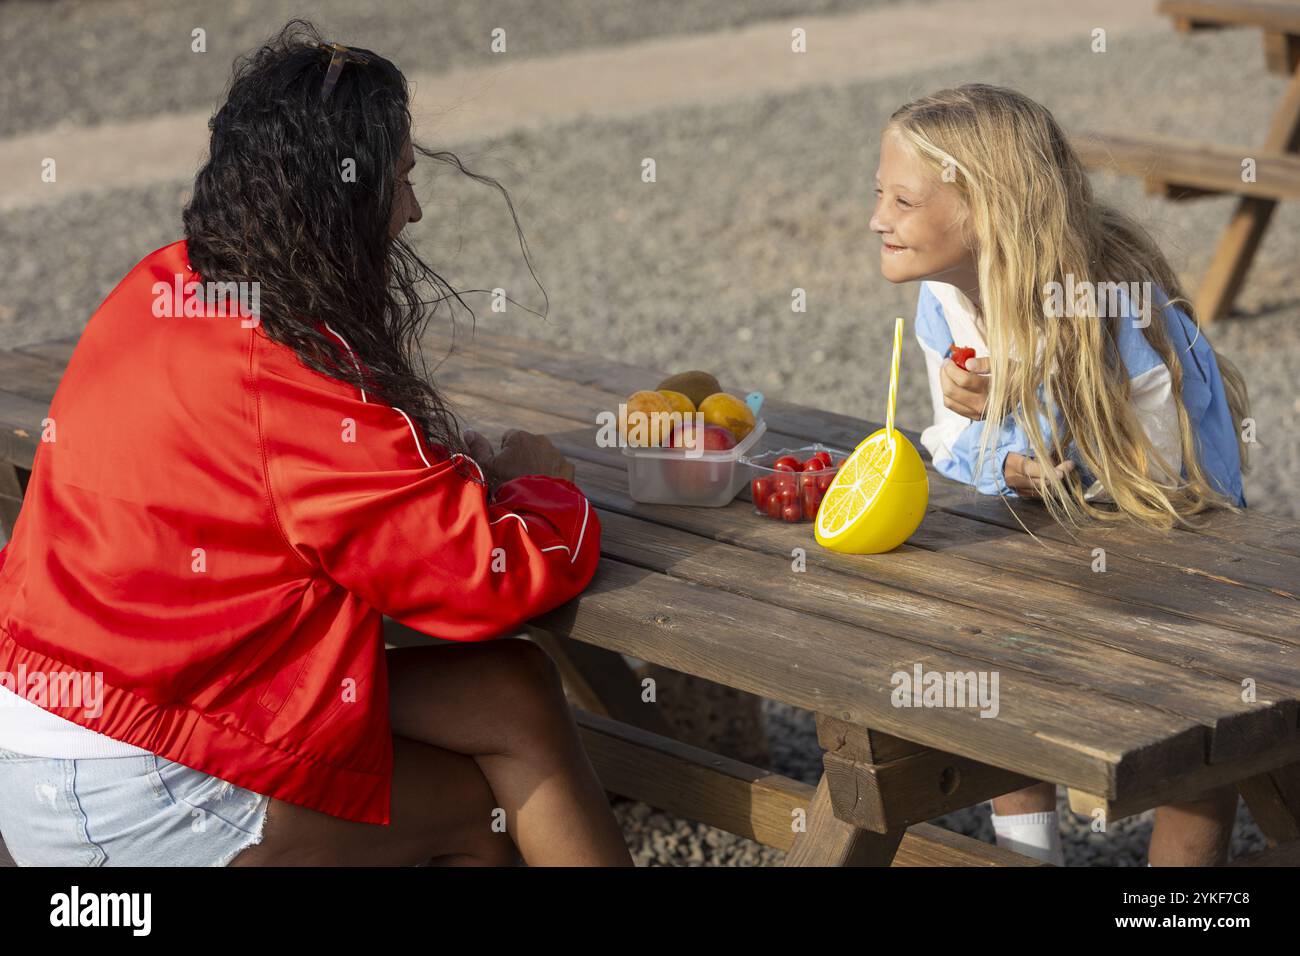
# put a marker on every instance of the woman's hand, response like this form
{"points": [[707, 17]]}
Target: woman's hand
{"points": [[522, 453], [965, 392], [1023, 474], [479, 448]]}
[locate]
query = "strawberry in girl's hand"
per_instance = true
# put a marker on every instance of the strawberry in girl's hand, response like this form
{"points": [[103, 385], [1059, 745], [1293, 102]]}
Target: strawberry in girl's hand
{"points": [[961, 356]]}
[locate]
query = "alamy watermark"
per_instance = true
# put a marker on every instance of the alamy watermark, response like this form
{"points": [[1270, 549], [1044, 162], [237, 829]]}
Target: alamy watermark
{"points": [[84, 689], [641, 429], [208, 300], [1105, 300], [922, 688]]}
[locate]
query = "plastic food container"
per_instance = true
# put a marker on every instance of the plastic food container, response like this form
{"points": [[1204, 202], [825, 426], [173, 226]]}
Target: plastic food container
{"points": [[669, 476], [792, 496]]}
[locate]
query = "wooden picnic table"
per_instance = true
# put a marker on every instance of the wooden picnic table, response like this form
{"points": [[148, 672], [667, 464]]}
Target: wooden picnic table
{"points": [[1175, 669], [1260, 176]]}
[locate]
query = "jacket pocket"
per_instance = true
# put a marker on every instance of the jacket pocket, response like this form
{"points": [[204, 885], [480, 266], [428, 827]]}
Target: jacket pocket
{"points": [[284, 683]]}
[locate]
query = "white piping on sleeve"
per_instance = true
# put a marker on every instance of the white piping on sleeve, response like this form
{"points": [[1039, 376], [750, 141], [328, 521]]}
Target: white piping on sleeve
{"points": [[414, 435], [509, 514], [409, 424], [586, 510], [352, 355], [573, 552]]}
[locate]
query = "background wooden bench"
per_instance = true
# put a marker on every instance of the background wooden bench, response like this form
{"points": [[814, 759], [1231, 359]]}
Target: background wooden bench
{"points": [[1180, 169]]}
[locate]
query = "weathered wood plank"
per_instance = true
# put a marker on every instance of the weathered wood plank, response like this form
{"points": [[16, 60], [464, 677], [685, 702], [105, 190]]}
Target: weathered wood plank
{"points": [[57, 351], [30, 376], [20, 428], [1159, 792], [1207, 168], [1140, 584], [828, 667]]}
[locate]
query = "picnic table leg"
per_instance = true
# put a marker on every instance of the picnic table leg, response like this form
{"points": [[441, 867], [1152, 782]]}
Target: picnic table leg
{"points": [[1274, 801], [876, 785], [13, 482], [1241, 239], [829, 841], [1232, 258]]}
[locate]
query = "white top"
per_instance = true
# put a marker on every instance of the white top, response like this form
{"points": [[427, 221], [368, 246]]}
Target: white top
{"points": [[28, 729]]}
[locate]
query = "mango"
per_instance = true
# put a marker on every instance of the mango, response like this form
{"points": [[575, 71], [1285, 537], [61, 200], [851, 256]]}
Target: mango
{"points": [[678, 401], [729, 412], [648, 420]]}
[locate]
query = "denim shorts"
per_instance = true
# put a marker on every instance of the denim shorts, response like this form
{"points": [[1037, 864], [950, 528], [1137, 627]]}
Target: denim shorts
{"points": [[123, 811]]}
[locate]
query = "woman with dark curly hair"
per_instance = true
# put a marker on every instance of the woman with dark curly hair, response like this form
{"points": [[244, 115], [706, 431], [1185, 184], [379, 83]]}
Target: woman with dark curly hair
{"points": [[245, 469]]}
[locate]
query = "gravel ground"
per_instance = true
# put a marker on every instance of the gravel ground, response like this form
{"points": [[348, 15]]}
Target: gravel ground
{"points": [[696, 269], [67, 62]]}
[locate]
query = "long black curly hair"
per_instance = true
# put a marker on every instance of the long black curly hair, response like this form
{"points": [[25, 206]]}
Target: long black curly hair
{"points": [[271, 205]]}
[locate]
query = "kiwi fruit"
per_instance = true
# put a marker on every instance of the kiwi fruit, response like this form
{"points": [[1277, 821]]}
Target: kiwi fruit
{"points": [[695, 385]]}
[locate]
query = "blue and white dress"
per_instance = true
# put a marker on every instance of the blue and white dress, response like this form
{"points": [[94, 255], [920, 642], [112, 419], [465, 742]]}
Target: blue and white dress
{"points": [[945, 315]]}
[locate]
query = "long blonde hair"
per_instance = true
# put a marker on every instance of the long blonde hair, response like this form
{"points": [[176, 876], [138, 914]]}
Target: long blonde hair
{"points": [[1031, 216]]}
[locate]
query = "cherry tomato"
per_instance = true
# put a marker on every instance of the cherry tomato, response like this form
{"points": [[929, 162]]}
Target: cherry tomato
{"points": [[824, 482], [786, 463], [772, 507], [824, 457], [812, 500], [792, 512], [759, 489], [813, 464], [784, 481], [961, 356]]}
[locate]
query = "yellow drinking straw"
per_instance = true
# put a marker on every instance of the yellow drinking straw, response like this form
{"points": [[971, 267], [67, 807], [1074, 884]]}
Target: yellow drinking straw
{"points": [[893, 379]]}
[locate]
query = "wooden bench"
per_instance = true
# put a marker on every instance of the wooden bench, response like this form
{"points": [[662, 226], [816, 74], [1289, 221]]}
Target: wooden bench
{"points": [[1187, 169], [758, 804], [1181, 169]]}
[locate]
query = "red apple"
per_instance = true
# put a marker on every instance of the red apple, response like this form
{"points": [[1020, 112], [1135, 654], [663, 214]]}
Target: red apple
{"points": [[695, 479], [716, 438]]}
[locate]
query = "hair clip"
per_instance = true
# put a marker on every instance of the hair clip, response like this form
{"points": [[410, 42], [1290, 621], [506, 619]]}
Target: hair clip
{"points": [[340, 56]]}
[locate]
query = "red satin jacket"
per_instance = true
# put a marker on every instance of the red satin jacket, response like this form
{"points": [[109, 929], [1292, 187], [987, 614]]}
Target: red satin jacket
{"points": [[217, 529]]}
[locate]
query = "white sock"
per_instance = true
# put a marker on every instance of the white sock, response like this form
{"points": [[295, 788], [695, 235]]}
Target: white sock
{"points": [[1036, 835]]}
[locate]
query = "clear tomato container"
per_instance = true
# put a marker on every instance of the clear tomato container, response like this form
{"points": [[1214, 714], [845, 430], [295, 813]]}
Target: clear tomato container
{"points": [[791, 496]]}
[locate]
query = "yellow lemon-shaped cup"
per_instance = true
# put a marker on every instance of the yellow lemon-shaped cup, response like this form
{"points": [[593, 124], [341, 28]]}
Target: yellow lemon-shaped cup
{"points": [[877, 499]]}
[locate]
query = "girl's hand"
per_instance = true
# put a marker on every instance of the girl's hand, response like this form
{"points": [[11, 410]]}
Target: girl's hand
{"points": [[1022, 474], [965, 392]]}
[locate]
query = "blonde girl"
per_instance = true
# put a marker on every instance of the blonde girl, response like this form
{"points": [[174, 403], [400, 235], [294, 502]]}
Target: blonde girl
{"points": [[1091, 386]]}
